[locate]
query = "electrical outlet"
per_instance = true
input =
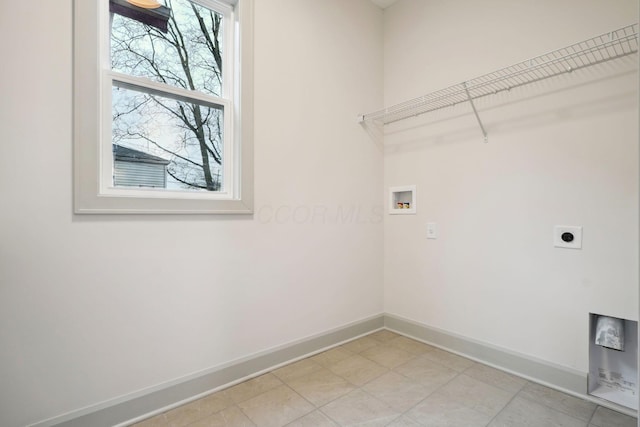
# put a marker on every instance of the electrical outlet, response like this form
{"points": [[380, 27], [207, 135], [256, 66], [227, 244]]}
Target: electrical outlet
{"points": [[567, 236]]}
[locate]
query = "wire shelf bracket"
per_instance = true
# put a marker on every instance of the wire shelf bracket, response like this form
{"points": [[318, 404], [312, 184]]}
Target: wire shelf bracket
{"points": [[605, 47], [473, 106]]}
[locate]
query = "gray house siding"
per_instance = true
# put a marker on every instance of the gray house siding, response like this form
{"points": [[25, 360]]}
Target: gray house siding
{"points": [[136, 174], [133, 168]]}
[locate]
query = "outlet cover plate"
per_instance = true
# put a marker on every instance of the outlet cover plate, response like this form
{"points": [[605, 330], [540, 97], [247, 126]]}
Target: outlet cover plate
{"points": [[567, 236]]}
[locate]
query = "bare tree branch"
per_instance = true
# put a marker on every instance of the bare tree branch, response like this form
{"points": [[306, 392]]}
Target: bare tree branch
{"points": [[141, 136], [189, 55]]}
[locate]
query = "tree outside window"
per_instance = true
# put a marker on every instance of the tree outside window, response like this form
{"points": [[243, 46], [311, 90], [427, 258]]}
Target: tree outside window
{"points": [[185, 128]]}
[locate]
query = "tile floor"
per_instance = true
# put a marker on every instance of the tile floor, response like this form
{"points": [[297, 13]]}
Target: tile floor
{"points": [[385, 379]]}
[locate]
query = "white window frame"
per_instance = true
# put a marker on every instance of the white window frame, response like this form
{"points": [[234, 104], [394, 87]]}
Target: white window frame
{"points": [[93, 189]]}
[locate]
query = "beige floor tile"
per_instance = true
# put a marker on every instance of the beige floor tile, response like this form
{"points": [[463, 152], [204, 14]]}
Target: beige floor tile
{"points": [[321, 387], [298, 369], [430, 374], [438, 411], [184, 415], [361, 344], [397, 391], [229, 417], [522, 412], [314, 419], [196, 410], [383, 335], [360, 408], [332, 356], [387, 355], [404, 422], [572, 406], [213, 403], [357, 370], [476, 395], [386, 379], [157, 421], [496, 377], [604, 417], [411, 346], [276, 407], [253, 387], [449, 360]]}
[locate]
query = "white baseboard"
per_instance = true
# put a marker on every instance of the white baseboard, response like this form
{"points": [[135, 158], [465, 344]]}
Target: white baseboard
{"points": [[125, 409], [543, 372], [134, 407]]}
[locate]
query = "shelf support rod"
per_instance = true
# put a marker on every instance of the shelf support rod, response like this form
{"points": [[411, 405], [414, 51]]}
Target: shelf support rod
{"points": [[484, 132]]}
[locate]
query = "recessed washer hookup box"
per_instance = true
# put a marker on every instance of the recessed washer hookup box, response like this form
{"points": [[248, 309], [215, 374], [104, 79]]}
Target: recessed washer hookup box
{"points": [[613, 359]]}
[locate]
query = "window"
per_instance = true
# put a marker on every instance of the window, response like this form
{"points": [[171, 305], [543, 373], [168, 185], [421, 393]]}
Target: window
{"points": [[163, 106]]}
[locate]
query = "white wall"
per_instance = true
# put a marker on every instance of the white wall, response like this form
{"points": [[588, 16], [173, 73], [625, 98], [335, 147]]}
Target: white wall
{"points": [[562, 152], [92, 308]]}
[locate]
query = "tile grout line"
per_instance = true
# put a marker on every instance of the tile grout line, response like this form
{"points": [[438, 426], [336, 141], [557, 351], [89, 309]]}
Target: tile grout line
{"points": [[592, 415], [539, 402], [505, 406], [433, 392], [503, 389]]}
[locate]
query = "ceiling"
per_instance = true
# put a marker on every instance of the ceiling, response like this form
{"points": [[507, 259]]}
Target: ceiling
{"points": [[383, 3]]}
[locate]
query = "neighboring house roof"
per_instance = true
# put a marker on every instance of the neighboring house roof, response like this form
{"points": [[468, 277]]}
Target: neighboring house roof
{"points": [[125, 154]]}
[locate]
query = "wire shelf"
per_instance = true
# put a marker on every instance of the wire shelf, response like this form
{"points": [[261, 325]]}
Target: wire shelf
{"points": [[612, 45]]}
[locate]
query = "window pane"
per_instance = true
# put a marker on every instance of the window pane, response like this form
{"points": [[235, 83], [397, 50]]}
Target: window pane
{"points": [[164, 142], [188, 55]]}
